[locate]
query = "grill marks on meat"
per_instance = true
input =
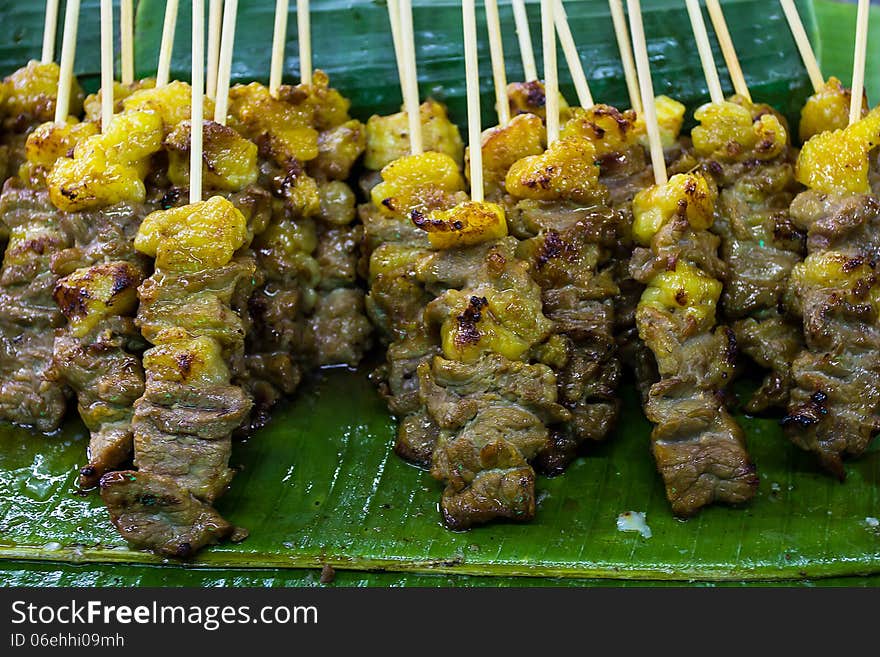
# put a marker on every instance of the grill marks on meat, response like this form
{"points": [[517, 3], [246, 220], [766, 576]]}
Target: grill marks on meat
{"points": [[98, 356], [833, 411], [182, 427], [760, 244], [572, 263]]}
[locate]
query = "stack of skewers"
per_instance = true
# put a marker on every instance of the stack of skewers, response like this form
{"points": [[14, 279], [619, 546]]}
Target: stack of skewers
{"points": [[510, 285]]}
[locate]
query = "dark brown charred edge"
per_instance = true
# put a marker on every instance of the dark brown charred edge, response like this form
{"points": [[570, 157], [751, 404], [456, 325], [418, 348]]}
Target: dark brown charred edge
{"points": [[468, 333]]}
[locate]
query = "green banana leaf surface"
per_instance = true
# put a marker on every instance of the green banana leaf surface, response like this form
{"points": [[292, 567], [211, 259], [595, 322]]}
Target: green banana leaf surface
{"points": [[320, 486]]}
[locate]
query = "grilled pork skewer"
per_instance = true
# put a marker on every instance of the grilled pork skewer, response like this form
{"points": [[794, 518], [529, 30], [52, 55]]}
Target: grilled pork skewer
{"points": [[746, 148], [699, 448], [833, 410], [37, 234], [307, 311]]}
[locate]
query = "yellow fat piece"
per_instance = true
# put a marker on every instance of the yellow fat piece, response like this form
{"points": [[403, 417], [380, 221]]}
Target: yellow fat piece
{"points": [[107, 168], [670, 118], [390, 257], [492, 322], [684, 290], [730, 132], [191, 361], [826, 110], [285, 128], [837, 161], [841, 273], [407, 182], [172, 103], [32, 89], [567, 170], [465, 224], [388, 136], [200, 236], [50, 141], [686, 195], [609, 129], [503, 146], [229, 160], [91, 294]]}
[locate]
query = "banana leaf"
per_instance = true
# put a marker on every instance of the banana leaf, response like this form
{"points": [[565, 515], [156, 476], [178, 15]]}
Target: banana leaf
{"points": [[321, 485], [837, 42]]}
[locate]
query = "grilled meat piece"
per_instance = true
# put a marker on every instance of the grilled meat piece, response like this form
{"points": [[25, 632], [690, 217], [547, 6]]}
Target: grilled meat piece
{"points": [[569, 232], [772, 341], [572, 264], [699, 449], [159, 514], [493, 416]]}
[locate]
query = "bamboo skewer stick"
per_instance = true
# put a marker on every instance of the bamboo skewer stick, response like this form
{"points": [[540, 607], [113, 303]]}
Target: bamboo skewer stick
{"points": [[49, 28], [68, 53], [702, 38], [106, 64], [496, 51], [126, 41], [572, 59], [646, 88], [551, 79], [524, 36], [215, 20], [224, 68], [163, 72], [472, 75], [716, 14], [410, 81], [858, 77], [279, 35], [198, 100], [626, 55], [394, 19], [803, 43], [304, 33]]}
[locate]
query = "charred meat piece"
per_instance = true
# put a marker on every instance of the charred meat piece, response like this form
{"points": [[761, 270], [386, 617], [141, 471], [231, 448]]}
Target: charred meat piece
{"points": [[569, 233], [492, 406]]}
